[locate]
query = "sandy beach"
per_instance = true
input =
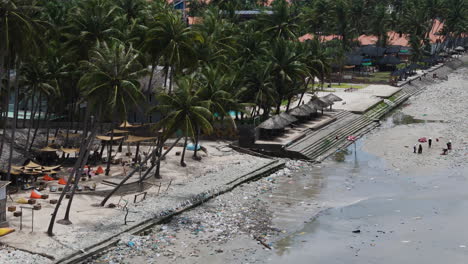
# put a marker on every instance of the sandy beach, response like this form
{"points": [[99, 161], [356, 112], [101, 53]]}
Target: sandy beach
{"points": [[279, 209], [438, 113], [260, 221]]}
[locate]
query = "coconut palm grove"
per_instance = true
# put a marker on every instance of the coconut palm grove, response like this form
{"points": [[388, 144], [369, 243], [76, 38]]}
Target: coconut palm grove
{"points": [[80, 80]]}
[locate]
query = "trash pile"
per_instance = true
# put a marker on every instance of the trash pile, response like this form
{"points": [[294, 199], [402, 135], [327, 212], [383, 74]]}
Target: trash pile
{"points": [[242, 212], [12, 256]]}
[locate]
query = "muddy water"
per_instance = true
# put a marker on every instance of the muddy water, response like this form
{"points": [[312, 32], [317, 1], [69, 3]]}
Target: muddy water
{"points": [[396, 217]]}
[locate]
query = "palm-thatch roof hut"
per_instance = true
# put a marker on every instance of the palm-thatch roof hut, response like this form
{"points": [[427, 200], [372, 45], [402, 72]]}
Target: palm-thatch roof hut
{"points": [[332, 98], [273, 124], [320, 103], [299, 112], [288, 117]]}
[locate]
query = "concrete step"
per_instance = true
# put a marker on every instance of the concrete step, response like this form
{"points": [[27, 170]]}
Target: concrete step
{"points": [[321, 146], [317, 135], [296, 146], [330, 140]]}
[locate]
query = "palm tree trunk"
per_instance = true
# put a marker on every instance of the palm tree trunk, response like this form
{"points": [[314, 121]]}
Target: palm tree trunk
{"points": [[305, 91], [47, 123], [197, 139], [289, 103], [38, 123], [159, 149], [137, 152], [182, 162], [66, 219], [7, 106], [83, 149], [24, 113], [109, 155], [278, 108], [15, 120], [161, 156], [171, 78], [31, 118]]}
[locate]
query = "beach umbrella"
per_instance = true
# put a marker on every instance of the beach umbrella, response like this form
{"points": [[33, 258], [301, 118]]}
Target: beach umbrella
{"points": [[332, 97], [271, 124], [119, 131], [319, 103], [460, 48], [299, 111], [309, 108], [288, 117], [280, 120], [325, 101], [48, 149], [126, 124], [389, 60]]}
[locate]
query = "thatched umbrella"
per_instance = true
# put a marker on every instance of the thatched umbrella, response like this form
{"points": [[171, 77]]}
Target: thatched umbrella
{"points": [[332, 98], [288, 117], [272, 124], [309, 108], [48, 149], [320, 103], [126, 124], [299, 112]]}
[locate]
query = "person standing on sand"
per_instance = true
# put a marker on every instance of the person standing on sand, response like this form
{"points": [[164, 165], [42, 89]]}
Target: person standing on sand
{"points": [[420, 149], [414, 148], [449, 145], [430, 142]]}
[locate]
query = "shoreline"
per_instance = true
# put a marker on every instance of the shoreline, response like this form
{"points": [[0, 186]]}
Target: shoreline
{"points": [[255, 176]]}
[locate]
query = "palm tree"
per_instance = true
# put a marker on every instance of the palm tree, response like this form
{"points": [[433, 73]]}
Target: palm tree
{"points": [[20, 29], [41, 83], [110, 86], [288, 71], [456, 17], [218, 42], [172, 40], [380, 24], [89, 22], [110, 83], [184, 110], [260, 88], [342, 22], [282, 23]]}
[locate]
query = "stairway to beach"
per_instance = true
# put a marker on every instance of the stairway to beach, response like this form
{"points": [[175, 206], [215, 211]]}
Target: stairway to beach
{"points": [[319, 144]]}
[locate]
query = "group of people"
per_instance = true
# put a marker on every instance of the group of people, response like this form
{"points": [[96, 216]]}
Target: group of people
{"points": [[419, 149]]}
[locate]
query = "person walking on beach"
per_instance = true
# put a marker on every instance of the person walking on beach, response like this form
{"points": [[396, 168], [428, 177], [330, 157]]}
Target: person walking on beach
{"points": [[414, 148], [430, 142], [449, 145], [420, 149]]}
